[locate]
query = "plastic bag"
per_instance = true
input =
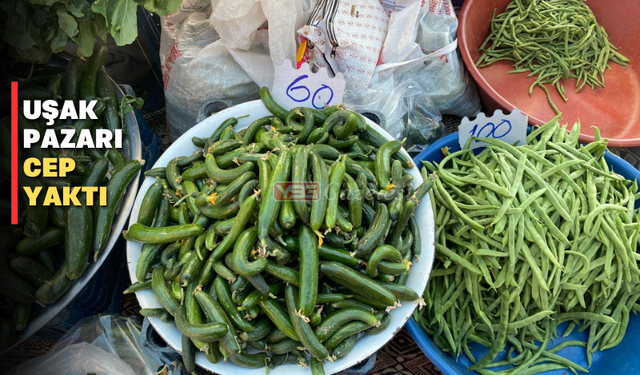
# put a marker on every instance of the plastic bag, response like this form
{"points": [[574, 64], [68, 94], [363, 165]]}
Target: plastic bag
{"points": [[197, 67], [104, 345], [450, 88], [422, 42], [419, 75], [359, 27], [404, 109], [255, 47], [80, 359]]}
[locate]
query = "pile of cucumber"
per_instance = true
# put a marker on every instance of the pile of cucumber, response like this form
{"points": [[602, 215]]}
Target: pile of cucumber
{"points": [[261, 281], [52, 245]]}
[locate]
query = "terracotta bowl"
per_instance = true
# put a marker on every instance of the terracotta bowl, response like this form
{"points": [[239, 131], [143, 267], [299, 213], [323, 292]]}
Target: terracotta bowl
{"points": [[614, 109]]}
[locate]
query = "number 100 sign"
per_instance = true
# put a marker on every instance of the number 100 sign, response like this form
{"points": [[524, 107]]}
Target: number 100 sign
{"points": [[303, 88], [511, 128]]}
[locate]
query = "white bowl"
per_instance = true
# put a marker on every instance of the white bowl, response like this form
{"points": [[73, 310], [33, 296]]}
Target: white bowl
{"points": [[367, 344]]}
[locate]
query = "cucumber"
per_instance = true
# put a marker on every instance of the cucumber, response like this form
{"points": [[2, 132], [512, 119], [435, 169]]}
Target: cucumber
{"points": [[158, 235], [115, 191], [33, 245], [50, 292], [95, 62], [30, 270], [357, 282], [21, 315], [70, 87], [13, 287], [78, 235], [150, 203], [105, 91]]}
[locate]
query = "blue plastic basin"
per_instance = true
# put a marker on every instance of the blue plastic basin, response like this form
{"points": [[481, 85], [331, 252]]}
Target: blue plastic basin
{"points": [[623, 359]]}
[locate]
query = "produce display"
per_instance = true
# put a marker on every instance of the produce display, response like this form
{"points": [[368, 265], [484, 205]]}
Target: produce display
{"points": [[33, 269], [260, 280], [270, 238], [552, 41], [529, 237]]}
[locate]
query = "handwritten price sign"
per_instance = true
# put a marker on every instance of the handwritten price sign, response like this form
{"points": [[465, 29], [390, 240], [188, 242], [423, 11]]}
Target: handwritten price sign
{"points": [[303, 88], [511, 128]]}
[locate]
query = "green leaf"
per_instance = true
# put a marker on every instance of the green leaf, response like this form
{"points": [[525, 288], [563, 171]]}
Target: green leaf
{"points": [[22, 9], [85, 39], [17, 30], [67, 23], [32, 55], [49, 32], [128, 103], [173, 6], [100, 7], [59, 41], [79, 8], [135, 102], [161, 7], [47, 3], [123, 21], [100, 27], [39, 16]]}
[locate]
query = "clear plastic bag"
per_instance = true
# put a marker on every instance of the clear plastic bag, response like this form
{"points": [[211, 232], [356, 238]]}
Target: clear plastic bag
{"points": [[405, 109], [80, 359], [420, 74], [451, 89], [423, 124], [103, 345]]}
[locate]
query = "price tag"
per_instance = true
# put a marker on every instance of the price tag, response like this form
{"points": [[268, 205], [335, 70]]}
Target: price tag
{"points": [[511, 128], [303, 88]]}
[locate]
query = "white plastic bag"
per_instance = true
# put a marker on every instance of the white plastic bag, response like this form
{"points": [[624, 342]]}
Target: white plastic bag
{"points": [[242, 26], [197, 67], [101, 344], [77, 359]]}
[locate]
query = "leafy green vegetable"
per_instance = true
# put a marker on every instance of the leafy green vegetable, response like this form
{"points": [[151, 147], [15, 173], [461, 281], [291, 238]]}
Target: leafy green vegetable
{"points": [[127, 104], [34, 29], [121, 18], [85, 39], [67, 23]]}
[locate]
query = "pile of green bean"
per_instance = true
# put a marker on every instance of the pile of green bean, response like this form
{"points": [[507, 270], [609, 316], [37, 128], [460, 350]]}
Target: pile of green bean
{"points": [[553, 41], [238, 268], [529, 237]]}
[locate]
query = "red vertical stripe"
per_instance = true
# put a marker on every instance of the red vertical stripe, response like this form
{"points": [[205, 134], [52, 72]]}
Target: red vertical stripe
{"points": [[14, 153]]}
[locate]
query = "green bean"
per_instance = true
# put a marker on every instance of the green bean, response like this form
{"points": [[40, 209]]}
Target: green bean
{"points": [[544, 30], [561, 246]]}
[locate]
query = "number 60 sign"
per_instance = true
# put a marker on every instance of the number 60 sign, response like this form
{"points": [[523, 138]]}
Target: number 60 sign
{"points": [[303, 88], [511, 128]]}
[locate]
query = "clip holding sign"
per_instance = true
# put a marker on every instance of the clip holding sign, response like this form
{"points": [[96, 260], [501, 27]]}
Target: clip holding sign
{"points": [[304, 88], [511, 128]]}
